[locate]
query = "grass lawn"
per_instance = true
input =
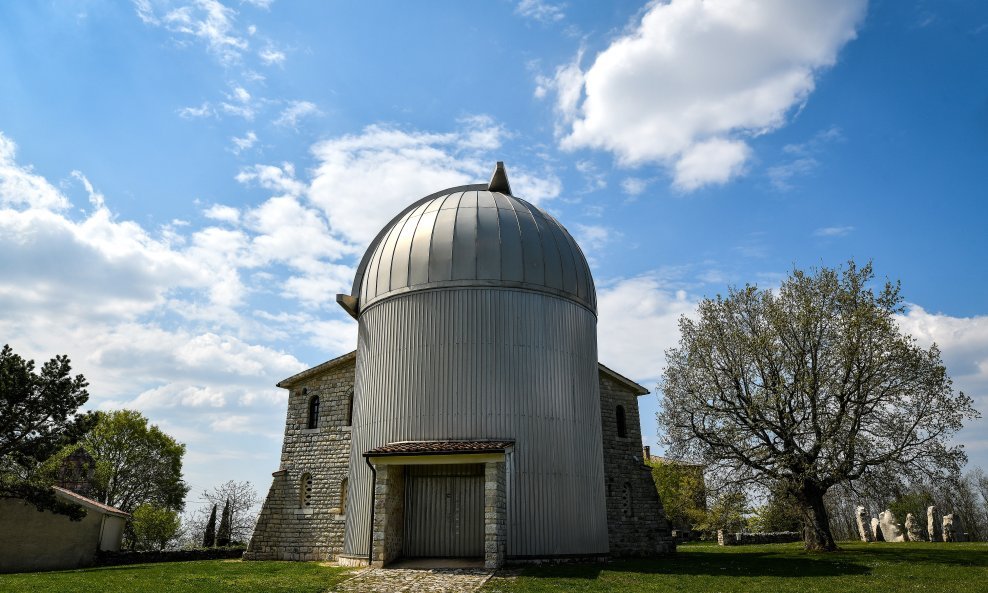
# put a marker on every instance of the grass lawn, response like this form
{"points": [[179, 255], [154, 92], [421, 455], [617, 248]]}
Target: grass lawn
{"points": [[778, 568], [182, 577]]}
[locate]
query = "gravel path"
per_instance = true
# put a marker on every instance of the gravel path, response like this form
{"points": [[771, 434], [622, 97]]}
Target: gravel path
{"points": [[404, 580]]}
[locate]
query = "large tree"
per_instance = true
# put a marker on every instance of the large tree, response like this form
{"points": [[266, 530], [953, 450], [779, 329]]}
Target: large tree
{"points": [[136, 462], [807, 386], [243, 501], [38, 416]]}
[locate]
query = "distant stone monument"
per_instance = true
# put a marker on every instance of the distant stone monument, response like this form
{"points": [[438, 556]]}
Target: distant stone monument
{"points": [[913, 531], [932, 525], [876, 530], [890, 527], [863, 527], [953, 531]]}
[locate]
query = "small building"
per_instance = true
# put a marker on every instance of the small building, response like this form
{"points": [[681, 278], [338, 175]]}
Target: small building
{"points": [[473, 419], [42, 540]]}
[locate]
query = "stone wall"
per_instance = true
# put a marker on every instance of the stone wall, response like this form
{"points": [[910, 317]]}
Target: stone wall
{"points": [[301, 520], [636, 521], [389, 514], [495, 515], [742, 539]]}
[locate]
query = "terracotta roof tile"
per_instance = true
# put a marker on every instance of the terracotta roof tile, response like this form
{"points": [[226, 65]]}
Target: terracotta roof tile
{"points": [[439, 448], [89, 502]]}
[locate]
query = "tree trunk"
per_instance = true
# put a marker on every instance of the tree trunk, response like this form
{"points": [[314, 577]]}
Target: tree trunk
{"points": [[816, 522]]}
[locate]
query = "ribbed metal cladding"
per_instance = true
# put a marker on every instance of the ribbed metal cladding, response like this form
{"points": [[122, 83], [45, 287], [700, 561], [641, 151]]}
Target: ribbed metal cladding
{"points": [[489, 363], [465, 237], [444, 511]]}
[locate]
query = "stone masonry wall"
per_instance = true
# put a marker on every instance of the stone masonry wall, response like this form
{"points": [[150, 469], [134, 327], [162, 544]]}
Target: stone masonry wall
{"points": [[292, 526], [636, 521], [495, 515]]}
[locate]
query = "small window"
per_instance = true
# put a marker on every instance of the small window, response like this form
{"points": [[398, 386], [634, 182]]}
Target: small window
{"points": [[627, 502], [343, 493], [349, 407], [305, 491], [314, 412], [622, 424]]}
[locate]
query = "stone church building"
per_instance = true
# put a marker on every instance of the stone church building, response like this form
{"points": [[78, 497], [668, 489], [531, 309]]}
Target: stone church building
{"points": [[473, 420]]}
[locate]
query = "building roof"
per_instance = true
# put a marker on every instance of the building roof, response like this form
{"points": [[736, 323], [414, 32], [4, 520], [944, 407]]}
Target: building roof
{"points": [[319, 368], [352, 355], [470, 236], [88, 503], [439, 448]]}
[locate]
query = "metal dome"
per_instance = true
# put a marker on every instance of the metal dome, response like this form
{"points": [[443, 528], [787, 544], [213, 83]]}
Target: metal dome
{"points": [[472, 236]]}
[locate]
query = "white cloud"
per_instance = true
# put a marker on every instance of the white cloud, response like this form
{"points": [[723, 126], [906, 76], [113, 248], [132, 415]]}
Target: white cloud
{"points": [[271, 56], [634, 186], [277, 179], [295, 111], [593, 237], [833, 231], [223, 213], [204, 110], [20, 186], [244, 143], [540, 10], [802, 158], [638, 322], [687, 85], [362, 180], [210, 21]]}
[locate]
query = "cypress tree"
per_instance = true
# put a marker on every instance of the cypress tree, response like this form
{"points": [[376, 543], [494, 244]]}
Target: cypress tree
{"points": [[209, 537], [223, 534]]}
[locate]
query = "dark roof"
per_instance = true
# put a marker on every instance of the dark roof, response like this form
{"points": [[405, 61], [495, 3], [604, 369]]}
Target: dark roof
{"points": [[634, 387], [287, 383], [439, 448], [350, 356], [88, 503], [470, 236]]}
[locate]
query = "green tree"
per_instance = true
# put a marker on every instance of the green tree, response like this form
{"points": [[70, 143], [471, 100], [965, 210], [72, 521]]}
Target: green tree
{"points": [[136, 462], [154, 527], [209, 532], [38, 416], [779, 513], [682, 492], [223, 533], [729, 512], [808, 386]]}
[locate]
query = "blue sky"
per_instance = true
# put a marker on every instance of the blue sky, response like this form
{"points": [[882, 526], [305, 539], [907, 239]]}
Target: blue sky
{"points": [[185, 185]]}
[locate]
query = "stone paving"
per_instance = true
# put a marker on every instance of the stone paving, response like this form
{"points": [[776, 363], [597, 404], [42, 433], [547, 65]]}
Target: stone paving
{"points": [[406, 580]]}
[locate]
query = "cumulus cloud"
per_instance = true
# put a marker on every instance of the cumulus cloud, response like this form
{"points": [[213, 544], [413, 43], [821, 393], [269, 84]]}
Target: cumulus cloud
{"points": [[638, 322], [690, 82], [362, 180], [244, 143], [271, 56], [20, 186]]}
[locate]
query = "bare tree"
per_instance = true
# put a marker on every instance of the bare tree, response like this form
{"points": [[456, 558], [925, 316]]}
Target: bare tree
{"points": [[244, 501], [809, 386]]}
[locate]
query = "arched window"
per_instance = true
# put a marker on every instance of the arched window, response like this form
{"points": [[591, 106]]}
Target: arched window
{"points": [[343, 494], [622, 424], [305, 491], [314, 412], [349, 407]]}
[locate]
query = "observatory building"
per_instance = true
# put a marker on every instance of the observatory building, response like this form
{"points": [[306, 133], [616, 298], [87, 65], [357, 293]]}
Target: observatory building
{"points": [[473, 419]]}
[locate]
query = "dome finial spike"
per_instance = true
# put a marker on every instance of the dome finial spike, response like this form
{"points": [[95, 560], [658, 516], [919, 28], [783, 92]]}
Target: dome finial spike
{"points": [[499, 180]]}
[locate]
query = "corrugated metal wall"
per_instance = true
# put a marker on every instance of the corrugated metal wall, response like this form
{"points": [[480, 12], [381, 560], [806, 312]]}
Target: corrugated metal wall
{"points": [[489, 364], [444, 511]]}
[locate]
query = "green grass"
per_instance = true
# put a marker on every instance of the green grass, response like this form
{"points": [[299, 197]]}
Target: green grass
{"points": [[205, 576], [779, 568]]}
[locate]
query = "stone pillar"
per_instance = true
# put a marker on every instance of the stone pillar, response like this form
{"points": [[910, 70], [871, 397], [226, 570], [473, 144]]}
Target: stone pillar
{"points": [[495, 515], [863, 528], [389, 514], [932, 525], [876, 530], [953, 530], [890, 527]]}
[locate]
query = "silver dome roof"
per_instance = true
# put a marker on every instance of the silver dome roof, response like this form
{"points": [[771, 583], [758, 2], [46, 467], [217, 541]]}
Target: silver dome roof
{"points": [[472, 236]]}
